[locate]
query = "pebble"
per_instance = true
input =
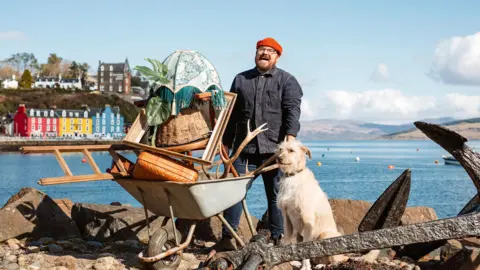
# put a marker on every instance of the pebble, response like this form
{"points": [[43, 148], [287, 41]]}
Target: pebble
{"points": [[94, 244], [46, 240], [53, 248], [209, 244], [34, 243], [77, 241], [33, 249], [2, 250], [12, 266], [22, 260], [65, 244], [132, 243], [11, 258], [60, 268], [34, 266], [105, 263], [13, 244]]}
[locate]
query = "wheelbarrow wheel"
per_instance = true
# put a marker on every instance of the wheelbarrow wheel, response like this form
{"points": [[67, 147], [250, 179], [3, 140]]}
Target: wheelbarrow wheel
{"points": [[162, 240]]}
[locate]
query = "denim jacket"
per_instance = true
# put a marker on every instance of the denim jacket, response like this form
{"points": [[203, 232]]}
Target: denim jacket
{"points": [[277, 104]]}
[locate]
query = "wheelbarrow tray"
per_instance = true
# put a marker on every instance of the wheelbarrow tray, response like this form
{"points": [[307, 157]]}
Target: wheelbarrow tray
{"points": [[196, 201]]}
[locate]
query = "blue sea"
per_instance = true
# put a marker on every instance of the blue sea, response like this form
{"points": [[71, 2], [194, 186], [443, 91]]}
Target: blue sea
{"points": [[445, 188]]}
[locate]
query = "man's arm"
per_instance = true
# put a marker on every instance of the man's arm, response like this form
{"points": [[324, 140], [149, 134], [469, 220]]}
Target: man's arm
{"points": [[230, 130], [291, 101]]}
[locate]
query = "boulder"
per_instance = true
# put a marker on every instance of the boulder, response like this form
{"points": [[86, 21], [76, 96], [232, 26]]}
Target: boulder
{"points": [[349, 213], [32, 213], [98, 222], [210, 230], [66, 206]]}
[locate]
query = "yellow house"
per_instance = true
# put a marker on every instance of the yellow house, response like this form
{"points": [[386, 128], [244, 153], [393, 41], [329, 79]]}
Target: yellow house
{"points": [[75, 123]]}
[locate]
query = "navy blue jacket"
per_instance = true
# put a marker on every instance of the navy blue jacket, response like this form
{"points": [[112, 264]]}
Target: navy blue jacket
{"points": [[278, 105]]}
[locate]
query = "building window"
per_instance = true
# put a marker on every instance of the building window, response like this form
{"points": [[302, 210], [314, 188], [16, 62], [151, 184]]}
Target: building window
{"points": [[54, 128], [97, 129], [112, 122], [110, 88], [118, 122], [64, 128], [71, 127], [102, 88], [38, 113], [111, 68], [118, 129], [45, 113], [103, 115], [101, 80], [71, 121], [76, 114], [33, 126], [31, 112], [102, 68], [111, 80], [33, 120], [103, 122], [64, 114], [71, 114], [86, 128], [51, 113], [119, 88], [48, 121], [39, 126], [87, 121], [80, 121], [85, 114], [97, 122], [48, 127]]}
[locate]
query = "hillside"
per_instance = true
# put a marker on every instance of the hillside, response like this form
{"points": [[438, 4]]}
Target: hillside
{"points": [[469, 128], [45, 98], [332, 129]]}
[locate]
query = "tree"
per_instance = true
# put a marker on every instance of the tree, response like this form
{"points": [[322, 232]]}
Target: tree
{"points": [[52, 67], [23, 61], [27, 80]]}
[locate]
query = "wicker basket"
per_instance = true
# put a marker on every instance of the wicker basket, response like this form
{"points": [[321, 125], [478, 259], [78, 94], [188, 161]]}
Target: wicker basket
{"points": [[155, 167], [188, 126]]}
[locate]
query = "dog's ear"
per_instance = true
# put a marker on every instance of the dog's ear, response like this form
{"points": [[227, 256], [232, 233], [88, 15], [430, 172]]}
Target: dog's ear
{"points": [[307, 151]]}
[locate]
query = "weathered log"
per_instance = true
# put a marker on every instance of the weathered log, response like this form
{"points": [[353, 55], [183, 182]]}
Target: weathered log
{"points": [[454, 143], [388, 209], [444, 229]]}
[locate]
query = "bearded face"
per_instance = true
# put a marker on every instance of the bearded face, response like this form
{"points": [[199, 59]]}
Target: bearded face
{"points": [[266, 58]]}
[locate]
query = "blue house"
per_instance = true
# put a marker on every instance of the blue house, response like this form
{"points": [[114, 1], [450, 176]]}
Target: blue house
{"points": [[107, 122]]}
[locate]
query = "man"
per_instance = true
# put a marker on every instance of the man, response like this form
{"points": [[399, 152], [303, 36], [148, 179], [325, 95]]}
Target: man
{"points": [[265, 94]]}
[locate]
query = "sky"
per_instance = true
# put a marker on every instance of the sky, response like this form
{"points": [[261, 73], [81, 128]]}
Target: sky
{"points": [[377, 61]]}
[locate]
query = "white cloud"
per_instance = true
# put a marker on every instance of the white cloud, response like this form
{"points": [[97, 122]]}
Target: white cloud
{"points": [[457, 60], [381, 73], [12, 36], [389, 106]]}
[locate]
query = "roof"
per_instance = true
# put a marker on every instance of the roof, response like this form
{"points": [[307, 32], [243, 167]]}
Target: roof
{"points": [[70, 80], [46, 79], [42, 112], [117, 67]]}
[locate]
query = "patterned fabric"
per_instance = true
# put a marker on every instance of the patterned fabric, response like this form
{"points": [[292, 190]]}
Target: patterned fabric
{"points": [[190, 68]]}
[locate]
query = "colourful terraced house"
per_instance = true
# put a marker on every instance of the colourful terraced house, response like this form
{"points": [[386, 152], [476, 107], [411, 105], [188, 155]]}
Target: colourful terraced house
{"points": [[53, 122]]}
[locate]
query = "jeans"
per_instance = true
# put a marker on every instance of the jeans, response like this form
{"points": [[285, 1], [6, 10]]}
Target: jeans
{"points": [[271, 182]]}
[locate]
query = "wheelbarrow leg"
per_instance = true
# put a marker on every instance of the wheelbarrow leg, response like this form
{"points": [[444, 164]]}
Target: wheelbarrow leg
{"points": [[172, 216], [230, 229], [249, 218]]}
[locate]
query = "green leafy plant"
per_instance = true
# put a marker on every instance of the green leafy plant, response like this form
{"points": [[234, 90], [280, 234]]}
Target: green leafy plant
{"points": [[156, 75], [157, 111]]}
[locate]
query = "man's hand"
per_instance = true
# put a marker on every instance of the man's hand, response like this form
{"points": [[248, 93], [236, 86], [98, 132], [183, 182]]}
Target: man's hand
{"points": [[290, 138]]}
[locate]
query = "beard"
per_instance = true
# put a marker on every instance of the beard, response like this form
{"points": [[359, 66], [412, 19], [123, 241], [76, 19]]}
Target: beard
{"points": [[264, 62]]}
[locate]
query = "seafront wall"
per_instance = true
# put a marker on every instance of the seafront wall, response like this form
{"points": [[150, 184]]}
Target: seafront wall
{"points": [[14, 145]]}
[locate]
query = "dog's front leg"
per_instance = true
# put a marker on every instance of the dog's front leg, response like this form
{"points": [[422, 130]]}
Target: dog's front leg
{"points": [[288, 236]]}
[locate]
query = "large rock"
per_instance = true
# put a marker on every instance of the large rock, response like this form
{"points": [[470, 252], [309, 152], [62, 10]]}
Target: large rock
{"points": [[210, 230], [111, 222], [32, 213], [349, 213]]}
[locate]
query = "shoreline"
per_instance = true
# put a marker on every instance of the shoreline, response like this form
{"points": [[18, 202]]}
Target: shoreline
{"points": [[15, 145]]}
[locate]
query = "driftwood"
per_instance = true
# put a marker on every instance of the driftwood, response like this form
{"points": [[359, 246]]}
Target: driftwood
{"points": [[420, 237]]}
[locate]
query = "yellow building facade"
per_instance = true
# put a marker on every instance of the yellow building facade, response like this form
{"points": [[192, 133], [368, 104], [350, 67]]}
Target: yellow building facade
{"points": [[74, 123]]}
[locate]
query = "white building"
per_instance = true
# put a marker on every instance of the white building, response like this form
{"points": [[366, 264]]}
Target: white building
{"points": [[71, 83], [10, 83], [46, 82]]}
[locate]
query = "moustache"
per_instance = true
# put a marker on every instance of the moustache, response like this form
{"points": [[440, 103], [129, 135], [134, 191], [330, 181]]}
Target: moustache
{"points": [[264, 57]]}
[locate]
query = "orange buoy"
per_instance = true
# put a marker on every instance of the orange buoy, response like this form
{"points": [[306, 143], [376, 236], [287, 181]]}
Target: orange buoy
{"points": [[84, 160], [436, 161], [391, 166]]}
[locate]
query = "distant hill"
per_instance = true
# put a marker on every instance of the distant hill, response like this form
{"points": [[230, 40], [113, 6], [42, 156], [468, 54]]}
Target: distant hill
{"points": [[45, 98], [469, 128], [332, 129]]}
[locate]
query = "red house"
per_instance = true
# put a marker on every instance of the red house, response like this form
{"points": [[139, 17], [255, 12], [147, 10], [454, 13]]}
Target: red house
{"points": [[20, 122], [36, 122]]}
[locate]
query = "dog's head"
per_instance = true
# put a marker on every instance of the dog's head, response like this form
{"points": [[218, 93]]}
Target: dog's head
{"points": [[291, 156]]}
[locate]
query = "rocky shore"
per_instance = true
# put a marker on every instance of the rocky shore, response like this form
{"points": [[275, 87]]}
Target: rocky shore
{"points": [[38, 232]]}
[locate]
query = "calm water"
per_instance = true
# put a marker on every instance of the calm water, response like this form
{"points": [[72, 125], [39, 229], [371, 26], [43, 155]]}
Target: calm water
{"points": [[445, 188]]}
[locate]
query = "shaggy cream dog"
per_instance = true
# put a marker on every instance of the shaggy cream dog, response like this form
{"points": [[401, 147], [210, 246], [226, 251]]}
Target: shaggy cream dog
{"points": [[307, 214]]}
